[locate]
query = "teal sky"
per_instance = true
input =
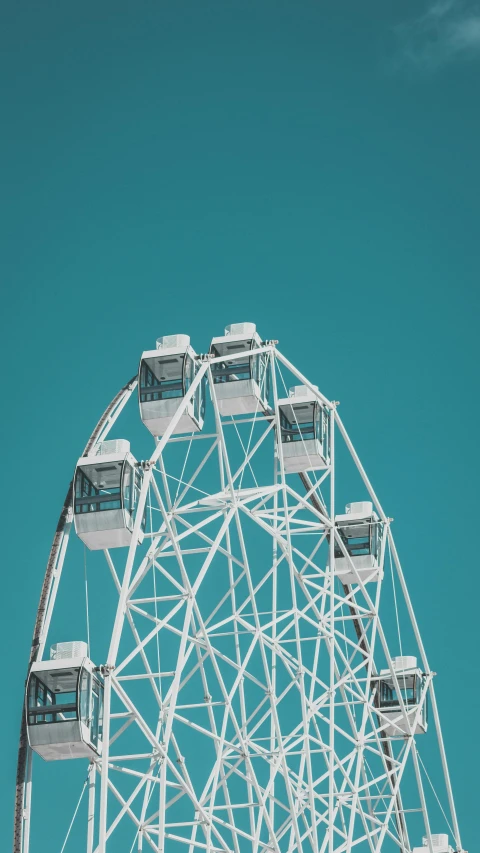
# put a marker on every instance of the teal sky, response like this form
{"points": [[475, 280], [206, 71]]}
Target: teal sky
{"points": [[309, 166]]}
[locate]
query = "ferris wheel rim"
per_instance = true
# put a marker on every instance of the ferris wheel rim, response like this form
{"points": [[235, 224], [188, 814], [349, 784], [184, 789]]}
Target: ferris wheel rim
{"points": [[23, 746], [161, 444]]}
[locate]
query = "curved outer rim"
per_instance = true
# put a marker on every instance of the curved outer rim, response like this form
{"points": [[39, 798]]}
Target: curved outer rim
{"points": [[20, 812], [18, 820]]}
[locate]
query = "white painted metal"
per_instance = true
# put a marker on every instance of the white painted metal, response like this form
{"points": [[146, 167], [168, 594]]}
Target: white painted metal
{"points": [[111, 446], [75, 649], [91, 808], [439, 845], [242, 706], [168, 342], [401, 663], [28, 802], [361, 509]]}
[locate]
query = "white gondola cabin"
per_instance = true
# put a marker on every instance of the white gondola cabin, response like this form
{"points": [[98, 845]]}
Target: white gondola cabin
{"points": [[439, 844], [304, 431], [361, 533], [241, 385], [165, 375], [64, 705], [106, 490], [411, 682]]}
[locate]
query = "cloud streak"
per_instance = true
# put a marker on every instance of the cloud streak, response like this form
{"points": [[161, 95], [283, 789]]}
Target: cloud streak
{"points": [[447, 30]]}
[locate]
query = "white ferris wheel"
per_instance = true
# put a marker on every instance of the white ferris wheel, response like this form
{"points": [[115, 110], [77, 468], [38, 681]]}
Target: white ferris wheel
{"points": [[264, 687]]}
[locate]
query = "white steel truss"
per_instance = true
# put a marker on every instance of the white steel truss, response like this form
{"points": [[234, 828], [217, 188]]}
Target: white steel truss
{"points": [[241, 681]]}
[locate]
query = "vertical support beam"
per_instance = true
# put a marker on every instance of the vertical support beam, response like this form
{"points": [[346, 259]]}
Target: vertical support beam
{"points": [[107, 698], [274, 635], [112, 655], [331, 565], [422, 799], [91, 808], [295, 831], [28, 802]]}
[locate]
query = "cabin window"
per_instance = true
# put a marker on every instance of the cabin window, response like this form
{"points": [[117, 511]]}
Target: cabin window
{"points": [[97, 487], [360, 539], [96, 724], [55, 704], [305, 421], [231, 371], [61, 695], [163, 378], [409, 686]]}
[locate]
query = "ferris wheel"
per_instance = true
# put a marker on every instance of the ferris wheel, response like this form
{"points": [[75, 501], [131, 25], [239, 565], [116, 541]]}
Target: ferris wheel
{"points": [[251, 675]]}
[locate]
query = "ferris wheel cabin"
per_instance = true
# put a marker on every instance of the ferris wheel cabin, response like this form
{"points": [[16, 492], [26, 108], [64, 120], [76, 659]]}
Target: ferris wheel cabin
{"points": [[439, 844], [410, 682], [165, 376], [240, 384], [64, 705], [304, 431], [361, 533], [106, 490]]}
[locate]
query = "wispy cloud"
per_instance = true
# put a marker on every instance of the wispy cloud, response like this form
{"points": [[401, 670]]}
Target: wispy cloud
{"points": [[445, 31]]}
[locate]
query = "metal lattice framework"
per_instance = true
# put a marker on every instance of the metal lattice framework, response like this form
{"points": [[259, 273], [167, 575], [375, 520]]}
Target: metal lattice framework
{"points": [[240, 683]]}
